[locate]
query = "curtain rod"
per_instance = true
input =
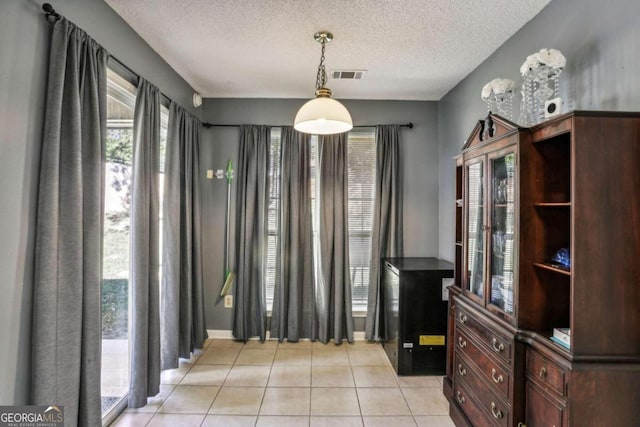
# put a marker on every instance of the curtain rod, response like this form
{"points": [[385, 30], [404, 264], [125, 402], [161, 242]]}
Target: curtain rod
{"points": [[50, 12], [210, 125]]}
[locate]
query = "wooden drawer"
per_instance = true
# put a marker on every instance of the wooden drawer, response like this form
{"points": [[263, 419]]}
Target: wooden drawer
{"points": [[464, 399], [493, 373], [494, 409], [546, 373], [542, 410], [496, 342]]}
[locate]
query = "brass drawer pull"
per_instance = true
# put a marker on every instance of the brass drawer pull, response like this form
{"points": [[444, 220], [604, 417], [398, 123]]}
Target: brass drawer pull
{"points": [[461, 370], [460, 398], [462, 343], [543, 372], [497, 347], [463, 318], [497, 380], [497, 414]]}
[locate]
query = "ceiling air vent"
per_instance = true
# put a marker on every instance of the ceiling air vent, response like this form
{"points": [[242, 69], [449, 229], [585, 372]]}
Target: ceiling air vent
{"points": [[348, 74]]}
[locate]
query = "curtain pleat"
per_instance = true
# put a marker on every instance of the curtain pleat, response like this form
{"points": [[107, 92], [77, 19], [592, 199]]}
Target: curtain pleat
{"points": [[182, 323], [333, 287], [293, 302], [386, 234], [249, 317], [144, 250], [66, 336]]}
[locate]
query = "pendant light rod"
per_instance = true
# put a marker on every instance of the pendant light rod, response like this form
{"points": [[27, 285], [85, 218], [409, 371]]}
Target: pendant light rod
{"points": [[322, 37]]}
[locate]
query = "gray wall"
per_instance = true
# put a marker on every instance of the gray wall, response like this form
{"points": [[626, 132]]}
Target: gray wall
{"points": [[24, 46], [420, 166], [601, 41]]}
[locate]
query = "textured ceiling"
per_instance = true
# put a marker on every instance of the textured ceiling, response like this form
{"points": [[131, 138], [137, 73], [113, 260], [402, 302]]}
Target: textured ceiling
{"points": [[411, 49]]}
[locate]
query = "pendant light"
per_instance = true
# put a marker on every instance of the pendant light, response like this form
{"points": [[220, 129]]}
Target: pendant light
{"points": [[323, 115]]}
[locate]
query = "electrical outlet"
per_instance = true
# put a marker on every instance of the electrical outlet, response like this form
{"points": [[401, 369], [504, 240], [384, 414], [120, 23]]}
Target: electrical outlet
{"points": [[228, 301], [210, 174]]}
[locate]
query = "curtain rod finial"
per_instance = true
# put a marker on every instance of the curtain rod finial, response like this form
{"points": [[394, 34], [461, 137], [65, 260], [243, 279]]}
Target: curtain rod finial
{"points": [[50, 11]]}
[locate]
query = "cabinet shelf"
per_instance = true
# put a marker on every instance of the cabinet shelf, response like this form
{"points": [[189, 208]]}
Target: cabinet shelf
{"points": [[552, 267]]}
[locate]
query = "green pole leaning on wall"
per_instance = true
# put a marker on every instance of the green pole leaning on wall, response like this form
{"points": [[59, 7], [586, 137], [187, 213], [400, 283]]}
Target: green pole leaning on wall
{"points": [[229, 275]]}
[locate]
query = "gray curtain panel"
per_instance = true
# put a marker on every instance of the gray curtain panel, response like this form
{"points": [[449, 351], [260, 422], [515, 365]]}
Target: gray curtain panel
{"points": [[66, 334], [249, 316], [144, 249], [386, 234], [182, 324], [293, 302], [333, 288]]}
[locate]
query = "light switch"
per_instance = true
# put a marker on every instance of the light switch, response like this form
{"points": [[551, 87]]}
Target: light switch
{"points": [[210, 174]]}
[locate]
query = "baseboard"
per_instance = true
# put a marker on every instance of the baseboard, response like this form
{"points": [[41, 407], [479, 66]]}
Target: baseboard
{"points": [[219, 334], [223, 334], [358, 336]]}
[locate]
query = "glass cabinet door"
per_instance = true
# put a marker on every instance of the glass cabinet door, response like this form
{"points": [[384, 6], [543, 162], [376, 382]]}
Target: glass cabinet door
{"points": [[502, 243], [475, 227]]}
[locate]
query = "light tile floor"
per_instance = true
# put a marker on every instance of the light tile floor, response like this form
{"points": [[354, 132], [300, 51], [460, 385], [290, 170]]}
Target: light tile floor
{"points": [[291, 384]]}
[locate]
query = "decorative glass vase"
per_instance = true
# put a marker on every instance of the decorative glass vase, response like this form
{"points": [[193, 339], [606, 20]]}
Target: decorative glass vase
{"points": [[540, 75], [498, 94], [538, 86], [501, 104]]}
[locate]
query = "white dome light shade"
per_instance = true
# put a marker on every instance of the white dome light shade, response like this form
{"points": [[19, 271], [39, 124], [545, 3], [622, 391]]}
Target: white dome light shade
{"points": [[323, 116]]}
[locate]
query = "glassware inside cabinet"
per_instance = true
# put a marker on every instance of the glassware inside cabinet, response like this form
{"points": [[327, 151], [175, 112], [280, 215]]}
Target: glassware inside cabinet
{"points": [[502, 243], [475, 228]]}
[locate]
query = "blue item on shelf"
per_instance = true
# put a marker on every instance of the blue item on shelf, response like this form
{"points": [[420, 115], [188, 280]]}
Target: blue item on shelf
{"points": [[563, 257]]}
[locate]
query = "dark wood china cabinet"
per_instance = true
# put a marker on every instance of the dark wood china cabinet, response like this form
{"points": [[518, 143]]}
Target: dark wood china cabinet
{"points": [[547, 236]]}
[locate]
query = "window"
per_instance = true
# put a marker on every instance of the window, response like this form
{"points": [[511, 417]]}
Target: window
{"points": [[362, 179], [361, 165], [121, 99], [273, 216]]}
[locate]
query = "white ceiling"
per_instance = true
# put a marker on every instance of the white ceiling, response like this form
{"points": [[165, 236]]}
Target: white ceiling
{"points": [[411, 49]]}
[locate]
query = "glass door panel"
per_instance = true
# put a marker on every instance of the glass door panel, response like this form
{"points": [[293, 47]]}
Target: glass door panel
{"points": [[121, 96], [475, 228], [502, 256]]}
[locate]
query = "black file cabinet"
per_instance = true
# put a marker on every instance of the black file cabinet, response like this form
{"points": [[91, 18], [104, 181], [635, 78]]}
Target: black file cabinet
{"points": [[415, 314]]}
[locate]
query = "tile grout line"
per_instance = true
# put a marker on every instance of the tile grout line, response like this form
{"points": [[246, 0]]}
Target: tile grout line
{"points": [[355, 387], [266, 386]]}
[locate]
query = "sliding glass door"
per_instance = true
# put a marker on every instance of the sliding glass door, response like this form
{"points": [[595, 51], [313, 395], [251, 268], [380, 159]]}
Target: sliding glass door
{"points": [[116, 310], [121, 96]]}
